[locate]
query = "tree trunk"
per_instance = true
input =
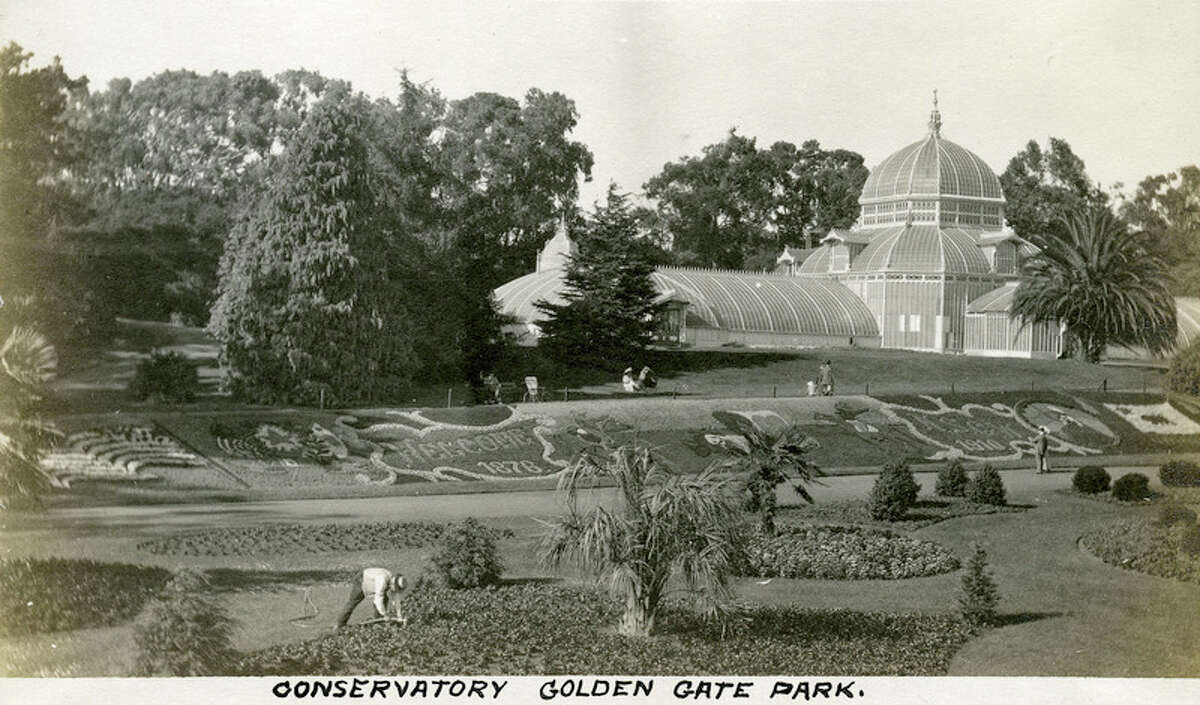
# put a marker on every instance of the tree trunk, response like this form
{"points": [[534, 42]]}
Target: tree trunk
{"points": [[638, 619]]}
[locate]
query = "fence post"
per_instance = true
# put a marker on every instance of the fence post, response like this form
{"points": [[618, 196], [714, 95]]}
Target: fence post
{"points": [[1104, 385], [774, 390], [1031, 383], [449, 396], [322, 397], [565, 394], [867, 391], [952, 387]]}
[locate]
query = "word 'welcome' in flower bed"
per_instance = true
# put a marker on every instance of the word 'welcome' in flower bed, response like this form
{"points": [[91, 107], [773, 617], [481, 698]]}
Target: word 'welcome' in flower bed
{"points": [[1145, 548], [845, 553], [302, 538], [56, 594], [554, 629]]}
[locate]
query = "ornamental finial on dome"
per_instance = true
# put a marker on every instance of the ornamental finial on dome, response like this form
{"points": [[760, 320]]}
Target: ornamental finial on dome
{"points": [[935, 118]]}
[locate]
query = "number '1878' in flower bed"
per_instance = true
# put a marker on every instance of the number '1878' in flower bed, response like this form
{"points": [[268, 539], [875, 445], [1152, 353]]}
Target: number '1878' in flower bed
{"points": [[845, 553], [550, 629]]}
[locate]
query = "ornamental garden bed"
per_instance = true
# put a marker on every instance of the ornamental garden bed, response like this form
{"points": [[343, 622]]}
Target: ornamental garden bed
{"points": [[845, 553], [555, 629], [1144, 547], [56, 594], [276, 539]]}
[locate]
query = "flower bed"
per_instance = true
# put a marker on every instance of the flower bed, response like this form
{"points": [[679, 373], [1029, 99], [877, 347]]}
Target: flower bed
{"points": [[57, 594], [553, 629], [924, 513], [1145, 548], [302, 538], [845, 553]]}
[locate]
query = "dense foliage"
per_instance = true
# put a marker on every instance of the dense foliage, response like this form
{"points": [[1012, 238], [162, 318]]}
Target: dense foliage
{"points": [[27, 362], [56, 594], [466, 556], [548, 629], [738, 205], [304, 538], [184, 632], [1180, 473], [167, 377], [1164, 209], [1106, 285], [845, 553], [1172, 514], [1184, 374], [1146, 548], [607, 315], [894, 493], [979, 596], [986, 487], [664, 527], [1043, 184], [1133, 487], [1091, 479], [951, 479]]}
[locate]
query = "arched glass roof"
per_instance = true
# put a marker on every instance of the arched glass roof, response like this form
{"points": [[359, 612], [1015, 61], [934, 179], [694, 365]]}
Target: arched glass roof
{"points": [[933, 167], [737, 301], [922, 248]]}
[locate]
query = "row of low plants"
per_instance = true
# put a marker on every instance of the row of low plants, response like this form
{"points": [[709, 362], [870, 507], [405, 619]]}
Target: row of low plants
{"points": [[303, 538], [56, 594], [1168, 547], [844, 553], [552, 629], [1135, 486]]}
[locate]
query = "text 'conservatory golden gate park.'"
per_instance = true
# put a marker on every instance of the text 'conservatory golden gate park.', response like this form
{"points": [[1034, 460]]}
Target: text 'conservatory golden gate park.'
{"points": [[929, 265]]}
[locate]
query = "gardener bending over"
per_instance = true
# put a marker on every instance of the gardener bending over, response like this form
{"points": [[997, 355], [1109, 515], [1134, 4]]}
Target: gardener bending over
{"points": [[384, 588]]}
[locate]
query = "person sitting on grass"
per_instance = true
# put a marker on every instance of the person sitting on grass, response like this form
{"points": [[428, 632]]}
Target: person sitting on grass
{"points": [[628, 382], [646, 378], [382, 585]]}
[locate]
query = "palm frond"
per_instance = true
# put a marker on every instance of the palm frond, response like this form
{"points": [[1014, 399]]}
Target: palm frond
{"points": [[28, 357]]}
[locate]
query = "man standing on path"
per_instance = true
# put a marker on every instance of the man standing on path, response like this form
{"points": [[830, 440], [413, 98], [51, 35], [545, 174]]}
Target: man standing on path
{"points": [[1042, 444], [825, 379], [382, 585]]}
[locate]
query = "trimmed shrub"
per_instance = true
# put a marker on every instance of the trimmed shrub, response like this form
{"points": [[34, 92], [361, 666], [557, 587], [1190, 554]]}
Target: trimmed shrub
{"points": [[1091, 479], [986, 487], [979, 594], [1173, 514], [894, 492], [1184, 374], [1189, 540], [168, 377], [184, 632], [467, 556], [1180, 473], [952, 480], [1131, 488]]}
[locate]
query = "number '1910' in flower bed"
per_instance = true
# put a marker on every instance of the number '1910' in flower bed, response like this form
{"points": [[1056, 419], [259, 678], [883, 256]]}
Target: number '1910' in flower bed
{"points": [[548, 629]]}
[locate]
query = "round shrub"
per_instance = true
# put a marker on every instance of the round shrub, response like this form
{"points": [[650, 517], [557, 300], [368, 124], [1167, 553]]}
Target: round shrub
{"points": [[1173, 514], [467, 556], [1131, 488], [1184, 375], [1180, 473], [168, 377], [1189, 540], [894, 492], [986, 487], [952, 480], [1091, 479]]}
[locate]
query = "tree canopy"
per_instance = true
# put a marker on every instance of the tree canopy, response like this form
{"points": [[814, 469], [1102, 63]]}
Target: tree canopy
{"points": [[609, 311], [1166, 210], [736, 200], [1043, 186]]}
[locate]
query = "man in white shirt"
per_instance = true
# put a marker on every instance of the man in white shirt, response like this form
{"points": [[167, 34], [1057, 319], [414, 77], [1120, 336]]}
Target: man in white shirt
{"points": [[382, 585]]}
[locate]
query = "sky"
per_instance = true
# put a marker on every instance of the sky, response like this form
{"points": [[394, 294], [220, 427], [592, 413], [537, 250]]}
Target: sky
{"points": [[1119, 80]]}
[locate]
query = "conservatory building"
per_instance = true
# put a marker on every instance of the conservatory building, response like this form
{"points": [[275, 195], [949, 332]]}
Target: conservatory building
{"points": [[929, 265]]}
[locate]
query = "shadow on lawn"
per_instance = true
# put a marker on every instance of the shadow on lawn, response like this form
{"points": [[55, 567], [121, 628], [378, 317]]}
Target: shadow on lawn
{"points": [[234, 579], [1009, 620]]}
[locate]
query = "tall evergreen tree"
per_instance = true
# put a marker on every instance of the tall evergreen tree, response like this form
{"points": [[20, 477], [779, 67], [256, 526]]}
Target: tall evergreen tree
{"points": [[312, 292], [608, 311]]}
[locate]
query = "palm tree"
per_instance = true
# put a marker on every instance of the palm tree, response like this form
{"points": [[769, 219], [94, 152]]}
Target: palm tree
{"points": [[763, 460], [28, 361], [664, 525], [1105, 285]]}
